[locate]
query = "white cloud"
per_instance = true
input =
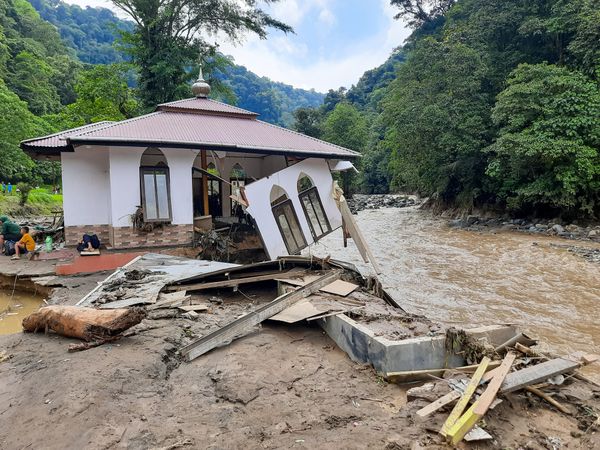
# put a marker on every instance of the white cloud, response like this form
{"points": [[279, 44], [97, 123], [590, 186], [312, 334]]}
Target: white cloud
{"points": [[264, 57], [326, 17]]}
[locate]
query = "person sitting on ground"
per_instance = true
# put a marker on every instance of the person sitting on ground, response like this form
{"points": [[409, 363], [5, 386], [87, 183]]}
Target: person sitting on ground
{"points": [[25, 245], [89, 243], [10, 231]]}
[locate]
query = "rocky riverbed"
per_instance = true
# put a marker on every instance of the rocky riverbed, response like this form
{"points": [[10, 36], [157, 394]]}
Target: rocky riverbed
{"points": [[360, 202], [536, 226]]}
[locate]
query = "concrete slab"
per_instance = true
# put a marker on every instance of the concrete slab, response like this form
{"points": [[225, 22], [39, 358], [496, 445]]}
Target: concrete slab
{"points": [[164, 269], [386, 356]]}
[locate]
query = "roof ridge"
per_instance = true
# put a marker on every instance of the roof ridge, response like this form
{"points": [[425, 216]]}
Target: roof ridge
{"points": [[176, 102], [112, 124], [309, 137], [67, 131], [233, 106]]}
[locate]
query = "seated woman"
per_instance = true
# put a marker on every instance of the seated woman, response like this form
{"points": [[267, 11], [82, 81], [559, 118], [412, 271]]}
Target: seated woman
{"points": [[25, 245]]}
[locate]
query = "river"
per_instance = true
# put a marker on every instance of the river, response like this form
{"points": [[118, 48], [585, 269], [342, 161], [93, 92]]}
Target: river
{"points": [[472, 278]]}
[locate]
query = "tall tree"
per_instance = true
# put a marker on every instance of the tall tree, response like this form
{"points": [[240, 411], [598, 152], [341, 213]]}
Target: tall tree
{"points": [[437, 119], [169, 34], [547, 152], [418, 13]]}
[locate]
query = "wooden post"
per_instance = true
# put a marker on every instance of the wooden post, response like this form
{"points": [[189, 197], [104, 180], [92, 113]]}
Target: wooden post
{"points": [[204, 165]]}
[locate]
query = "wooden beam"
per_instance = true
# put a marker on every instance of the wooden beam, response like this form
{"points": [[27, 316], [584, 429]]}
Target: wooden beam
{"points": [[204, 166], [460, 406], [468, 420], [227, 283], [399, 377], [357, 236], [450, 397], [240, 326], [537, 373]]}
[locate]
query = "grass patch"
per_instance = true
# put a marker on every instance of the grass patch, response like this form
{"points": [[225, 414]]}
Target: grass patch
{"points": [[40, 202]]}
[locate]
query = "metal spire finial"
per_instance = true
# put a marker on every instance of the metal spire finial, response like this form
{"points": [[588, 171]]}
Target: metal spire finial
{"points": [[201, 89]]}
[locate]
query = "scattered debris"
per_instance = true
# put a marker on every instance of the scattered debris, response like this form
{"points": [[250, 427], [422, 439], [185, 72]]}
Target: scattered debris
{"points": [[233, 329]]}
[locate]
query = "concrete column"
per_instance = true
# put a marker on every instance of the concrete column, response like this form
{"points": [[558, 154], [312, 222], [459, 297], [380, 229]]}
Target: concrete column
{"points": [[180, 163], [124, 183]]}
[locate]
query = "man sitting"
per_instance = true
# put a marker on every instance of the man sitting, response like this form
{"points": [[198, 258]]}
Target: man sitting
{"points": [[25, 245], [9, 232]]}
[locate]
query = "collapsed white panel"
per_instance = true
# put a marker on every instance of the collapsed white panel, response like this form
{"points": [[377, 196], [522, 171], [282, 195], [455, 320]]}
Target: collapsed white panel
{"points": [[258, 196]]}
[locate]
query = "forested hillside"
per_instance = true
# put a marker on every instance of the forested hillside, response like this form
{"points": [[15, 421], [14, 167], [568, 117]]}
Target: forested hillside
{"points": [[496, 104], [91, 32], [36, 79]]}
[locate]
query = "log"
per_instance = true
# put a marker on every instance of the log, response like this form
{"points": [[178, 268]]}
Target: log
{"points": [[88, 324]]}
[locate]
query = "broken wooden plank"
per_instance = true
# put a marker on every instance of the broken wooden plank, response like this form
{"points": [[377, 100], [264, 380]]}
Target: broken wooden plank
{"points": [[225, 283], [238, 326], [193, 308], [340, 287], [356, 234], [537, 373], [301, 310], [460, 406], [451, 396], [170, 300], [334, 313], [399, 377], [298, 281], [126, 302], [468, 420]]}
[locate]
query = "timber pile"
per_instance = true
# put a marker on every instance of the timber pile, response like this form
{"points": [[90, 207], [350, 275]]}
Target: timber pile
{"points": [[521, 369]]}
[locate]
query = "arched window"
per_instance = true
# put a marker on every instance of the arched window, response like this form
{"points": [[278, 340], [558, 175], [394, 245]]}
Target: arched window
{"points": [[155, 186], [286, 219], [313, 207]]}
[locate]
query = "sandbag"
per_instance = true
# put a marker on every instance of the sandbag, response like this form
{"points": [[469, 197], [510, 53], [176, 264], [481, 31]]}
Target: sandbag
{"points": [[83, 323]]}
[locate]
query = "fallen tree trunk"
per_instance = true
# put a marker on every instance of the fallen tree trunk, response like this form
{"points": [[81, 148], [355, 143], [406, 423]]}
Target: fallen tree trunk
{"points": [[83, 323]]}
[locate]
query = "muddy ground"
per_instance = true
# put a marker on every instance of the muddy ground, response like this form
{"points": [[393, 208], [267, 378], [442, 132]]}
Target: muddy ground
{"points": [[280, 387]]}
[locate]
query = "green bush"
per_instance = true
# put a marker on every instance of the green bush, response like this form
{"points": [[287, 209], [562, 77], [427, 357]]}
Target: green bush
{"points": [[24, 190]]}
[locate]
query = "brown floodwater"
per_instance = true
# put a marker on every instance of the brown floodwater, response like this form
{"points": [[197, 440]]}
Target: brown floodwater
{"points": [[13, 308], [471, 278]]}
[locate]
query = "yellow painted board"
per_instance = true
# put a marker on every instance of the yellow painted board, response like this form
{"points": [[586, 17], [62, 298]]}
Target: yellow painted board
{"points": [[468, 393], [479, 408], [463, 425]]}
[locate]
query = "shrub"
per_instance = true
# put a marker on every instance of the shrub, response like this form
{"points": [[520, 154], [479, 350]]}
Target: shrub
{"points": [[24, 190]]}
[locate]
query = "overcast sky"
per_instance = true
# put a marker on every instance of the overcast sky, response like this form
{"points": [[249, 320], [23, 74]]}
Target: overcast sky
{"points": [[335, 41]]}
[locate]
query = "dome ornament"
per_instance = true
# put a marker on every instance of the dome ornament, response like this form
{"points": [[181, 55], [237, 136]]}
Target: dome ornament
{"points": [[201, 89]]}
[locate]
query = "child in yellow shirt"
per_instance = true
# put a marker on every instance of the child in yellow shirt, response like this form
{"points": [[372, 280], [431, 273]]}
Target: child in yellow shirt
{"points": [[25, 245]]}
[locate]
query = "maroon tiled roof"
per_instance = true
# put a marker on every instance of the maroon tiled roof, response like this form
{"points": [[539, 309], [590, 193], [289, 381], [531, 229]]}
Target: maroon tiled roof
{"points": [[58, 139], [205, 105], [198, 123]]}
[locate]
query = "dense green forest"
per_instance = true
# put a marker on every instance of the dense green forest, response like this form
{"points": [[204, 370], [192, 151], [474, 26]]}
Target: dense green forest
{"points": [[488, 104]]}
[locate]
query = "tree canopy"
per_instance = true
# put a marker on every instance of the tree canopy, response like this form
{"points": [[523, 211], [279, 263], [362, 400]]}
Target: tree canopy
{"points": [[169, 35]]}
